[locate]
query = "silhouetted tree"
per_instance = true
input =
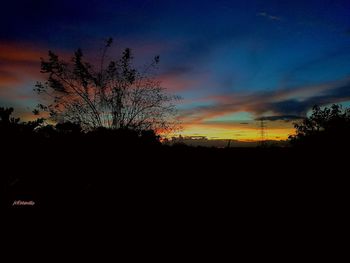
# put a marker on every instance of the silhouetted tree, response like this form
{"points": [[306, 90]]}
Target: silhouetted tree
{"points": [[5, 117], [14, 132], [12, 126], [324, 127], [113, 95]]}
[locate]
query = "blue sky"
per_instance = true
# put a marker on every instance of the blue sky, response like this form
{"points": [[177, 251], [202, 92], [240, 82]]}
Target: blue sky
{"points": [[224, 57]]}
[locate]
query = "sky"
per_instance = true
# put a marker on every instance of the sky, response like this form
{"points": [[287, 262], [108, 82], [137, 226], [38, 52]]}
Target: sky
{"points": [[233, 62]]}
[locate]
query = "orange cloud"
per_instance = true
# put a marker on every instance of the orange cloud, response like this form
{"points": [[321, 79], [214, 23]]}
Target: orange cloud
{"points": [[19, 52], [18, 64]]}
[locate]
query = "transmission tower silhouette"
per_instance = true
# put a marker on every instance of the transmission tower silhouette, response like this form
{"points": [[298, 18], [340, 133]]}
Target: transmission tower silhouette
{"points": [[263, 134]]}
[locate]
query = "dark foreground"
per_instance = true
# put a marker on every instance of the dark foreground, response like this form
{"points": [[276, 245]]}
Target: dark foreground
{"points": [[154, 178]]}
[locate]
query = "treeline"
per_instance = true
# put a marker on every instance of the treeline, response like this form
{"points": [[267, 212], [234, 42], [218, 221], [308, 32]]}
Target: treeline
{"points": [[63, 165], [324, 127], [14, 132]]}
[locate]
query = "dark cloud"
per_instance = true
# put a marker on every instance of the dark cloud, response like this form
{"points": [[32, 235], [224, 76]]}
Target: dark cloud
{"points": [[280, 118], [284, 104], [339, 93], [290, 107], [299, 108]]}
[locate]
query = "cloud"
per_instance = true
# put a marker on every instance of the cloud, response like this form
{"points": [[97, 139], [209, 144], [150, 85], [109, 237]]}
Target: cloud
{"points": [[18, 63], [283, 104], [20, 53], [336, 94], [291, 106], [19, 70], [20, 66], [286, 118], [269, 16]]}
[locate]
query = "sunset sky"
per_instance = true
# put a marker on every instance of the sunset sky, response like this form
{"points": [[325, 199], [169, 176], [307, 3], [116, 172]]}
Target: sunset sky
{"points": [[233, 62]]}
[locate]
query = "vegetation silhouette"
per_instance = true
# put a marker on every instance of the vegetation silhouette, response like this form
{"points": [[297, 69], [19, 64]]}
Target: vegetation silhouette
{"points": [[101, 145], [112, 94], [65, 166], [14, 131], [324, 128], [56, 165]]}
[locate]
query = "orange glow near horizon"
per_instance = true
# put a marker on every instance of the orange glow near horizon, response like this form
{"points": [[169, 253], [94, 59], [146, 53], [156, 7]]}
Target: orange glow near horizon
{"points": [[238, 133]]}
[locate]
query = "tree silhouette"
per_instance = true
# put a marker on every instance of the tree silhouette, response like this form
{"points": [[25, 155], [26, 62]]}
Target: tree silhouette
{"points": [[14, 132], [5, 117], [11, 126], [112, 95], [324, 127]]}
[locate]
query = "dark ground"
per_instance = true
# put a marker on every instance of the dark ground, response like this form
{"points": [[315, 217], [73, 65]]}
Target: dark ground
{"points": [[77, 175], [181, 202]]}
